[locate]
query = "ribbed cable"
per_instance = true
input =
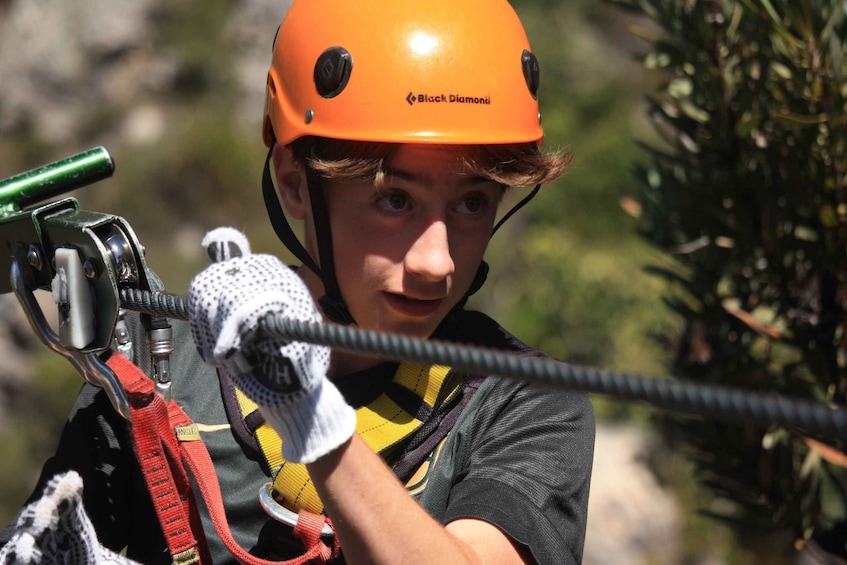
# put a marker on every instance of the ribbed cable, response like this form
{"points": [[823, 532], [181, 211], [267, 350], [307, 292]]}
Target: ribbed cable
{"points": [[766, 409], [156, 303]]}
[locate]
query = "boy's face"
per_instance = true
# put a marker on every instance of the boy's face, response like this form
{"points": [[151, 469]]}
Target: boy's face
{"points": [[407, 252]]}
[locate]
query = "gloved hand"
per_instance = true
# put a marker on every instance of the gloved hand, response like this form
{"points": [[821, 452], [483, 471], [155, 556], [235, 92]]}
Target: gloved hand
{"points": [[287, 380], [56, 529]]}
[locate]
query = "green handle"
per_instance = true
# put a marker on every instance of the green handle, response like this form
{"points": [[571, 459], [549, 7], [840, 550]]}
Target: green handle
{"points": [[56, 178]]}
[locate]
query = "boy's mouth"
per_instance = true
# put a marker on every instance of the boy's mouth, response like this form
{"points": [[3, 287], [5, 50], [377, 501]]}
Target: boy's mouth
{"points": [[411, 306]]}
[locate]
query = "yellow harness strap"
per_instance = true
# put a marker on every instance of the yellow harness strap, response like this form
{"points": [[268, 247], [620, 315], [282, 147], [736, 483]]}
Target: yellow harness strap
{"points": [[382, 424]]}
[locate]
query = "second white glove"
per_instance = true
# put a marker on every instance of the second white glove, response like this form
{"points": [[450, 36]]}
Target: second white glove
{"points": [[56, 529]]}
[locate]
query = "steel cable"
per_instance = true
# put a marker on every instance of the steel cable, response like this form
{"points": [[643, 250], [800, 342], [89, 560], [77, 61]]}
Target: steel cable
{"points": [[766, 409], [156, 303]]}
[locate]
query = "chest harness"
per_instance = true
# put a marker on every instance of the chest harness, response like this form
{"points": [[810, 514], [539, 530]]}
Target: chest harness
{"points": [[385, 423], [168, 446]]}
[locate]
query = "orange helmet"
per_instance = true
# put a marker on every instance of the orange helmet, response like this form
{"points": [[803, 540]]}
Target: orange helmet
{"points": [[442, 71]]}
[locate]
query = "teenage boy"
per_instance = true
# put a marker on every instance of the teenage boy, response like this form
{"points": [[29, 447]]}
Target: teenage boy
{"points": [[394, 129]]}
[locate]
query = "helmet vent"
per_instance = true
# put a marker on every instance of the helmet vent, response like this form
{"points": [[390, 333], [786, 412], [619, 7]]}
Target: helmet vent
{"points": [[332, 71], [531, 72]]}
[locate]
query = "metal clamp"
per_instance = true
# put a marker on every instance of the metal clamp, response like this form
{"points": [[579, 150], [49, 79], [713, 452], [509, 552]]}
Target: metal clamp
{"points": [[91, 367], [282, 514]]}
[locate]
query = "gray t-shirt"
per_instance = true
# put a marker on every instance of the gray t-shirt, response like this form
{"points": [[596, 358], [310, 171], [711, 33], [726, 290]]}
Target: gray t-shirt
{"points": [[517, 455]]}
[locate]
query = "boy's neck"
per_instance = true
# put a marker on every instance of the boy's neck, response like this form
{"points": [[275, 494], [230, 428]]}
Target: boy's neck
{"points": [[341, 363]]}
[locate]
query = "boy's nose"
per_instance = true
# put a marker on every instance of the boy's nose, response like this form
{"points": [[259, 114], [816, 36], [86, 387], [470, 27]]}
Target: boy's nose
{"points": [[429, 256]]}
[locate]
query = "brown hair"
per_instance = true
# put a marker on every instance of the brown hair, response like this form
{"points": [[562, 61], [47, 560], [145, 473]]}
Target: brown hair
{"points": [[512, 165]]}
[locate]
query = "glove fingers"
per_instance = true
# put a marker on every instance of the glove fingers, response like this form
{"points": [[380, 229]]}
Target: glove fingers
{"points": [[224, 243], [56, 529]]}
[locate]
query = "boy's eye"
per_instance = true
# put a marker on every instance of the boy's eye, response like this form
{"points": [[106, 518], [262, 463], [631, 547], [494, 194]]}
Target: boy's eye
{"points": [[394, 201], [472, 204]]}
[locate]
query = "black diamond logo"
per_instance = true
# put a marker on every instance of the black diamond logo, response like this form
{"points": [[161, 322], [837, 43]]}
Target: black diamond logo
{"points": [[328, 69], [410, 98]]}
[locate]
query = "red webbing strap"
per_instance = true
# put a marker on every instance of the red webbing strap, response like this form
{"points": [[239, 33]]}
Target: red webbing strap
{"points": [[308, 527], [157, 451], [177, 438]]}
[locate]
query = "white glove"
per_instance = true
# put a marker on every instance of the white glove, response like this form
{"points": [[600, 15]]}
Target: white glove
{"points": [[286, 379], [56, 529]]}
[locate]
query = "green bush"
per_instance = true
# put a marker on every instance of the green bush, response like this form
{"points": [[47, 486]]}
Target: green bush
{"points": [[748, 195]]}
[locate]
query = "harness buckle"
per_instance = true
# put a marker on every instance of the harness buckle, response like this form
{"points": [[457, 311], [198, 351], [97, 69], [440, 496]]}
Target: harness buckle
{"points": [[282, 514]]}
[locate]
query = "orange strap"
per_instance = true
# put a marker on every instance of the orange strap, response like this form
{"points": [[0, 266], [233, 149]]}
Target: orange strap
{"points": [[165, 439]]}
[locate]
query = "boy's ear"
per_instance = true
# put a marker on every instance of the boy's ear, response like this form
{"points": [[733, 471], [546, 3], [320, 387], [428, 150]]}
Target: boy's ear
{"points": [[290, 182]]}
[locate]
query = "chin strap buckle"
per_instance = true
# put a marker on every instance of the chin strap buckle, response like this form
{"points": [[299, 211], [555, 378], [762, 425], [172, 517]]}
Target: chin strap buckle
{"points": [[335, 310]]}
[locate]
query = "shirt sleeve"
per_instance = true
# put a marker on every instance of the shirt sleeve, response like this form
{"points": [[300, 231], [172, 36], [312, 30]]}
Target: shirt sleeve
{"points": [[529, 469]]}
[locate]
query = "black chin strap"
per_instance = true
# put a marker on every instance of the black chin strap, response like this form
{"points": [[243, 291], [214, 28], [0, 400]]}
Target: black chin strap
{"points": [[280, 223], [516, 207], [332, 304], [482, 271]]}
